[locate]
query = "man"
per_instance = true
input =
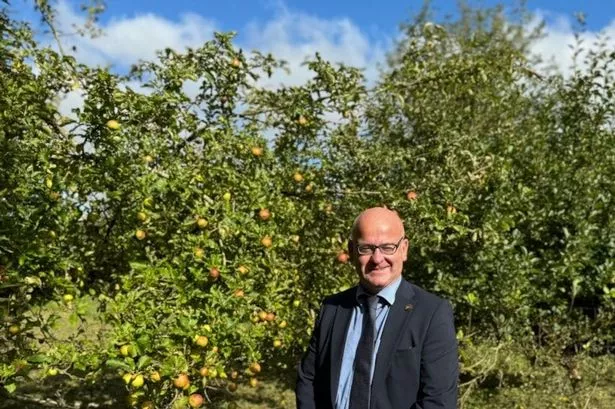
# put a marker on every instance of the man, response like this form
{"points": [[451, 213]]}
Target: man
{"points": [[386, 343]]}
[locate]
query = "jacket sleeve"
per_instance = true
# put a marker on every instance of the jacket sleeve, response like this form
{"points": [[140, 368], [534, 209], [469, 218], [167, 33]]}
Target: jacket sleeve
{"points": [[306, 371], [439, 362]]}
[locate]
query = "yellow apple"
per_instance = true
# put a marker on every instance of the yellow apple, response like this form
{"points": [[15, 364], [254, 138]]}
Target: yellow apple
{"points": [[113, 124], [201, 340], [138, 381]]}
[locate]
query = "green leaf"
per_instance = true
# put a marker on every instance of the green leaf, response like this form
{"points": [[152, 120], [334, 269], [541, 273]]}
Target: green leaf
{"points": [[38, 359], [117, 364], [144, 361]]}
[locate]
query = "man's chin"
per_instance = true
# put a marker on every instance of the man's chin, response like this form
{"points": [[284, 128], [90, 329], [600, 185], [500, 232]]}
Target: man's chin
{"points": [[374, 285]]}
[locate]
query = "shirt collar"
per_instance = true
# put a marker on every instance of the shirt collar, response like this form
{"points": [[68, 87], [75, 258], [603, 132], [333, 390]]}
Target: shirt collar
{"points": [[387, 293]]}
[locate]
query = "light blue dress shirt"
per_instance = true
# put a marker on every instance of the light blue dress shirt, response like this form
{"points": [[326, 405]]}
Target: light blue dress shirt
{"points": [[386, 299]]}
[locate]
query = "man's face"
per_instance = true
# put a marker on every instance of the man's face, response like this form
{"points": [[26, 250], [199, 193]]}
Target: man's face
{"points": [[377, 270]]}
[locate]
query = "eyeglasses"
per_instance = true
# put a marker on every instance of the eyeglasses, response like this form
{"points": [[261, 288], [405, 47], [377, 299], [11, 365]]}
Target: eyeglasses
{"points": [[387, 248]]}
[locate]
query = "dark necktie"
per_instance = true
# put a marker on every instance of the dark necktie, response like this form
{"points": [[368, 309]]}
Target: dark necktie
{"points": [[360, 391]]}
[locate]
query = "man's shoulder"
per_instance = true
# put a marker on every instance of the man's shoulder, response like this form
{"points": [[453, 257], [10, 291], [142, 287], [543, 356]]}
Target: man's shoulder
{"points": [[426, 301], [412, 290], [422, 292]]}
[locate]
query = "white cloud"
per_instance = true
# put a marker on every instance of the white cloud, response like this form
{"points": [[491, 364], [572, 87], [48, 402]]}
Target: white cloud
{"points": [[555, 48], [126, 40], [289, 36], [295, 36]]}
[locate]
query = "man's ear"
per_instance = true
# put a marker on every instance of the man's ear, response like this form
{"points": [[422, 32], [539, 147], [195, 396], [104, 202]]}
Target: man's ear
{"points": [[406, 248], [351, 251]]}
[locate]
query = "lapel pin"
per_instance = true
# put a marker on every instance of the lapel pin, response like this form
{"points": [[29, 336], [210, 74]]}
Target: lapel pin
{"points": [[408, 307]]}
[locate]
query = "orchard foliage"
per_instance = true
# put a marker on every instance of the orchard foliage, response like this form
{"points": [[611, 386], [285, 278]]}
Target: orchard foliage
{"points": [[204, 216]]}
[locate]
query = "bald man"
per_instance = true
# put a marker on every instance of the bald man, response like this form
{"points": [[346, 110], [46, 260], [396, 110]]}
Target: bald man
{"points": [[385, 343]]}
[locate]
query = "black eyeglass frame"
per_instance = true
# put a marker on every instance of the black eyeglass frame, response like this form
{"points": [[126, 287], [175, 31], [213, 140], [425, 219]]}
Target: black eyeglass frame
{"points": [[372, 248]]}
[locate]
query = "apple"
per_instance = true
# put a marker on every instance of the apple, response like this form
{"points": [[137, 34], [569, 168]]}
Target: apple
{"points": [[67, 298], [195, 400], [234, 374], [450, 209], [226, 196], [277, 343], [239, 293], [342, 257], [264, 214], [199, 252], [309, 187], [201, 340], [270, 316], [113, 124], [141, 216], [256, 151], [155, 376], [52, 371], [204, 371], [148, 201], [242, 269], [253, 382], [202, 223], [411, 195], [214, 273], [182, 381], [148, 159], [126, 350], [266, 241], [232, 387], [282, 324], [262, 315], [236, 63], [298, 177], [295, 238], [255, 367], [138, 381], [302, 120], [296, 303], [140, 234], [127, 378]]}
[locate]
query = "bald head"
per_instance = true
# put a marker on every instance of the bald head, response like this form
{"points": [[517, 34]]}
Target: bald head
{"points": [[379, 218]]}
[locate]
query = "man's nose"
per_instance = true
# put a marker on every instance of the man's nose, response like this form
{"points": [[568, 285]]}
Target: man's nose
{"points": [[377, 256]]}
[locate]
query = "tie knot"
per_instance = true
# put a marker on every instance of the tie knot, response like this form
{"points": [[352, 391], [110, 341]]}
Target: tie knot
{"points": [[370, 301]]}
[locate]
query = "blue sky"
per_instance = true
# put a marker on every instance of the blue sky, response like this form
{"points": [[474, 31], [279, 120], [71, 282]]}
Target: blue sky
{"points": [[378, 17]]}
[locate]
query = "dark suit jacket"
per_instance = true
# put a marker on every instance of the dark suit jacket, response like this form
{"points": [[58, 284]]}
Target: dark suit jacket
{"points": [[416, 363]]}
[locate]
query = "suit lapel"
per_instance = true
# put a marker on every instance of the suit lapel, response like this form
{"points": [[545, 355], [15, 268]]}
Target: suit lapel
{"points": [[338, 339], [397, 320]]}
